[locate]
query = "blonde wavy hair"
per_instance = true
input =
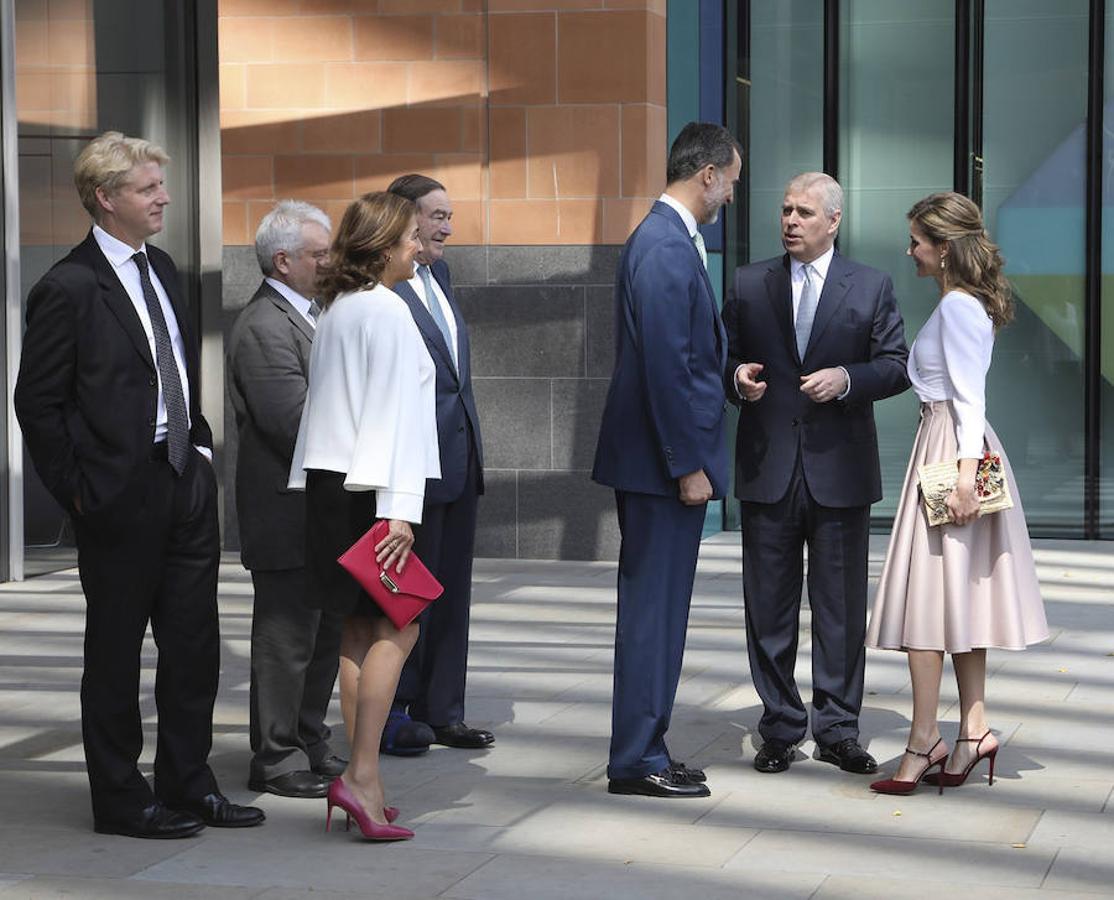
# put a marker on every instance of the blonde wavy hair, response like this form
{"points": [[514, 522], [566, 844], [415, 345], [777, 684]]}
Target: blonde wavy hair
{"points": [[371, 225], [107, 161], [973, 262]]}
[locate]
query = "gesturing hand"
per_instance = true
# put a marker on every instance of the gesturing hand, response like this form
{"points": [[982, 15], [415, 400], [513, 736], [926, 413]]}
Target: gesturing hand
{"points": [[746, 379], [824, 385], [394, 549]]}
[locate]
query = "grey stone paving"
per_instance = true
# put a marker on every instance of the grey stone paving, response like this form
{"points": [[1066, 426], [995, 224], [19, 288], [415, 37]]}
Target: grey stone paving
{"points": [[531, 819]]}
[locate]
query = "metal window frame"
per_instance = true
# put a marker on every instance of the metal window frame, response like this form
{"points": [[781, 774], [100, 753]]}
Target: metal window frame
{"points": [[1092, 296]]}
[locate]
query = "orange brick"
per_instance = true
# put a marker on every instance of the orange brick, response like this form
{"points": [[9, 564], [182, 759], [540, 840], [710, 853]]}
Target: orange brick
{"points": [[508, 152], [256, 210], [393, 37], [257, 8], [70, 43], [376, 172], [621, 216], [459, 37], [644, 150], [234, 224], [31, 42], [32, 92], [68, 219], [469, 222], [446, 82], [545, 221], [349, 132], [283, 86], [655, 6], [462, 174], [335, 7], [467, 6], [247, 132], [422, 130], [574, 151], [313, 38], [365, 85], [247, 177], [655, 54], [247, 39], [589, 70], [314, 178], [398, 7], [334, 209], [233, 86], [522, 58], [74, 98], [473, 128], [530, 5], [69, 9]]}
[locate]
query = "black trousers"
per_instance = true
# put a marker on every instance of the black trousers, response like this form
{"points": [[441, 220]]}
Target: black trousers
{"points": [[433, 678], [774, 537], [158, 564], [295, 653]]}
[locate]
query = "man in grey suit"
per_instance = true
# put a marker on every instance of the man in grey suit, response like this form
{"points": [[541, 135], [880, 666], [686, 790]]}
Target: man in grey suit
{"points": [[294, 647]]}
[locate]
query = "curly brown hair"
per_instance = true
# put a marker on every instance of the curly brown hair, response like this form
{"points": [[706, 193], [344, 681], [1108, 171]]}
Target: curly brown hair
{"points": [[371, 225], [973, 261]]}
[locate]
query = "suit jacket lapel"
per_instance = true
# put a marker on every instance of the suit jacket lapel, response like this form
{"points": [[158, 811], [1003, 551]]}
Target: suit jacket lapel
{"points": [[287, 308], [671, 214], [836, 286], [424, 321], [462, 347], [118, 301], [780, 293]]}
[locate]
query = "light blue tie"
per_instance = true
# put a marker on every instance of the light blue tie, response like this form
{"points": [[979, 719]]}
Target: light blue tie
{"points": [[434, 306], [806, 311], [698, 239]]}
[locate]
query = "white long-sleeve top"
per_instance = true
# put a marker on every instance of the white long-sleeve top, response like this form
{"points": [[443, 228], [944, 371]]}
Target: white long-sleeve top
{"points": [[370, 409], [949, 361]]}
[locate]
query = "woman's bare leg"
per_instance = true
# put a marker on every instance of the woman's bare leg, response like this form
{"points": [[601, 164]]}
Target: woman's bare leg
{"points": [[925, 669], [970, 676], [355, 639], [378, 679]]}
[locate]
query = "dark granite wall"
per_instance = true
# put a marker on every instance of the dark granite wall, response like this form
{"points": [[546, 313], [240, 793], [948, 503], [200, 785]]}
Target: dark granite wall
{"points": [[540, 319]]}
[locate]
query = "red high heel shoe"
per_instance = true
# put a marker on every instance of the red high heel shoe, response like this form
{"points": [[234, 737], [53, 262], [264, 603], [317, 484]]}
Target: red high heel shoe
{"points": [[893, 786], [955, 779], [339, 795]]}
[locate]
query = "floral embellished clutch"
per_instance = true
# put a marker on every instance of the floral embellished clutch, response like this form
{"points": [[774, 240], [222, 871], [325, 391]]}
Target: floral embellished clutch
{"points": [[937, 480]]}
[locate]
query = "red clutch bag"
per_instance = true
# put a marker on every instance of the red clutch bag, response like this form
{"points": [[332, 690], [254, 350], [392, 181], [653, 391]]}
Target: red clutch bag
{"points": [[401, 595]]}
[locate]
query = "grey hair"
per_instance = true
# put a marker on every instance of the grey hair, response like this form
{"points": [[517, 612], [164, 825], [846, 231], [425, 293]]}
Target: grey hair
{"points": [[281, 229], [830, 190]]}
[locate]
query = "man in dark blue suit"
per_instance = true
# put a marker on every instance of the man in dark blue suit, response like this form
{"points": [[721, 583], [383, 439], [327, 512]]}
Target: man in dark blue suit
{"points": [[429, 702], [813, 340], [661, 447]]}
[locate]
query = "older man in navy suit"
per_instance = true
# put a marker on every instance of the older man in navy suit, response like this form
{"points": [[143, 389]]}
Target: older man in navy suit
{"points": [[429, 702], [661, 447], [813, 340]]}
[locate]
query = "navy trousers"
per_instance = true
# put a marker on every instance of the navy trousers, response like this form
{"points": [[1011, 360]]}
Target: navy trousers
{"points": [[657, 565]]}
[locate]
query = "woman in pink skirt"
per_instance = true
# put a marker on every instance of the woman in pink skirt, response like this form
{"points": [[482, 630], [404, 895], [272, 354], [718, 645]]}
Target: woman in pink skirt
{"points": [[970, 584]]}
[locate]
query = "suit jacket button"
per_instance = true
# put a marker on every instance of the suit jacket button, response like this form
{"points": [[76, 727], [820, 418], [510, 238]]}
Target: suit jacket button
{"points": [[152, 381], [796, 422], [151, 421]]}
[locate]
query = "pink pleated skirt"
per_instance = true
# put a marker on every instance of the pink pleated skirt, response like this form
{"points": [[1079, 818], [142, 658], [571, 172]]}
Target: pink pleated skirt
{"points": [[956, 588]]}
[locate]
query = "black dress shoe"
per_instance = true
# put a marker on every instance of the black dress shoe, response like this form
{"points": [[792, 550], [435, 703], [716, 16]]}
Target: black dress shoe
{"points": [[687, 773], [666, 783], [292, 784], [774, 756], [849, 756], [154, 821], [331, 767], [462, 737], [217, 810]]}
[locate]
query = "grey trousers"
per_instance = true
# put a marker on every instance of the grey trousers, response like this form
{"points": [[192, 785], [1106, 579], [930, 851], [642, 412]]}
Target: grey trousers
{"points": [[295, 653]]}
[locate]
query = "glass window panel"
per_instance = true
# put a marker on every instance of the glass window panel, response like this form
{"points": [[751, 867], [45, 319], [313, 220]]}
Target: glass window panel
{"points": [[1035, 101], [895, 146], [1106, 460]]}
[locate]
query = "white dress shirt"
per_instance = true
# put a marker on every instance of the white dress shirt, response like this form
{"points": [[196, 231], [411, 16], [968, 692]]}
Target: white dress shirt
{"points": [[683, 211], [119, 256], [820, 267], [419, 288], [949, 361], [370, 410], [300, 303]]}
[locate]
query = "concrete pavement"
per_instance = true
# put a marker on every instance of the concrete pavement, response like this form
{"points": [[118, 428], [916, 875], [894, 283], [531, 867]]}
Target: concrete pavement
{"points": [[530, 818]]}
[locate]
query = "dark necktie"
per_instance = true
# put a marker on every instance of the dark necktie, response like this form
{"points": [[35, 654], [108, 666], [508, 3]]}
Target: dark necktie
{"points": [[177, 419]]}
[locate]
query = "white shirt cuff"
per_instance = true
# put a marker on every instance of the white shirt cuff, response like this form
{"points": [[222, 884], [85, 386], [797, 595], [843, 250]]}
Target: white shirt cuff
{"points": [[848, 376]]}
